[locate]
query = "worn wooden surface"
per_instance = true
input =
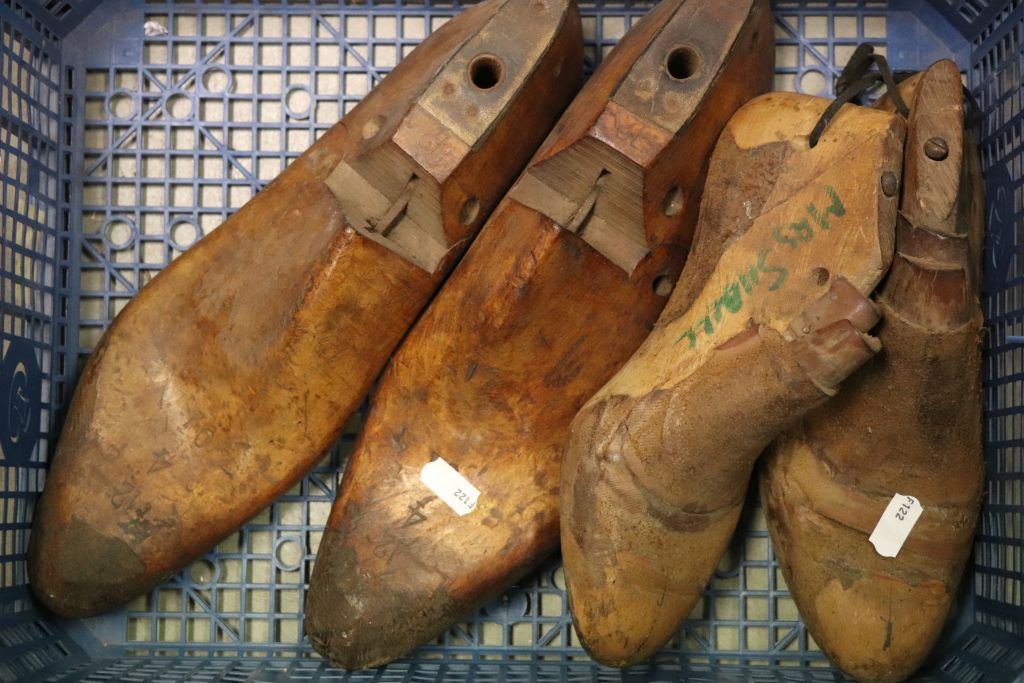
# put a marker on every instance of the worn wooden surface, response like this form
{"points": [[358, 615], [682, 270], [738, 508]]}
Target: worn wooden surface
{"points": [[561, 287], [908, 423], [228, 377], [769, 318]]}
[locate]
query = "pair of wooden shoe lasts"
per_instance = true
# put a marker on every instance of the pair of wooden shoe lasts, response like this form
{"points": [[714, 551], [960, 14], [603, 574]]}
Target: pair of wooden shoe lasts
{"points": [[226, 379], [282, 318], [770, 317]]}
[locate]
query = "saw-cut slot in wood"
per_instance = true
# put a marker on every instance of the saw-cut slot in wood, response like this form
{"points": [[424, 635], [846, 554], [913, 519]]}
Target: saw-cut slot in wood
{"points": [[387, 200], [396, 213], [595, 193], [586, 211]]}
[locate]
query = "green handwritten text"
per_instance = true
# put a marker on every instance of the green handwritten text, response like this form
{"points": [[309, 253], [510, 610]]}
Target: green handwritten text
{"points": [[794, 236]]}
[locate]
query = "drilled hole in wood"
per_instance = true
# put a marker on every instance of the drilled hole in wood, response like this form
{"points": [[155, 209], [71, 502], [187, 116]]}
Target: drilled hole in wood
{"points": [[820, 276], [486, 71], [673, 202], [663, 285], [470, 211], [682, 63]]}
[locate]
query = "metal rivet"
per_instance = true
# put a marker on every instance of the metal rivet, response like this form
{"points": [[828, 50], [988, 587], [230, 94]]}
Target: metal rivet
{"points": [[936, 149], [890, 184]]}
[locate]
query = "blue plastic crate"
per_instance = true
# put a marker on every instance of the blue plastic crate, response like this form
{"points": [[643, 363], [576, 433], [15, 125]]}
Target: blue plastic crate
{"points": [[118, 151]]}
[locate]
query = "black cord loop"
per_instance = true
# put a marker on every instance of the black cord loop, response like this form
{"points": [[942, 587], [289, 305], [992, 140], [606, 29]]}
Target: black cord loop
{"points": [[854, 81]]}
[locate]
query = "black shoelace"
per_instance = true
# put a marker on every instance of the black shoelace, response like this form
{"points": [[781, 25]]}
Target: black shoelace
{"points": [[855, 80]]}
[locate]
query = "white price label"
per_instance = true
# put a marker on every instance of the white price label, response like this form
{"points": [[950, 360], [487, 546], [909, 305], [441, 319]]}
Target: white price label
{"points": [[896, 523], [450, 486]]}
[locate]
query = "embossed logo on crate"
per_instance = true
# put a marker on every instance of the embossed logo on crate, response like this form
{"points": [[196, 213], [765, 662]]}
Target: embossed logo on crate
{"points": [[20, 385]]}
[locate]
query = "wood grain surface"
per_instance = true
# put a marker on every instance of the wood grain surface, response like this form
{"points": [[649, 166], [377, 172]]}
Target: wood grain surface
{"points": [[227, 378], [561, 287], [769, 317], [909, 423]]}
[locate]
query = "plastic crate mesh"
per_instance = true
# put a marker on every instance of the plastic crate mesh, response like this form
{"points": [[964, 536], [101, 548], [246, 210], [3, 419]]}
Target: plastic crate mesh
{"points": [[30, 215], [998, 55], [119, 153]]}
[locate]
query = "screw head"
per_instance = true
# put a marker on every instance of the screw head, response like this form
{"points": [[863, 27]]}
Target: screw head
{"points": [[936, 149], [890, 184]]}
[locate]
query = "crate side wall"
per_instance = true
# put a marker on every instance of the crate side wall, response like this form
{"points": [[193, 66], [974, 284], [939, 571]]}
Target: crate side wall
{"points": [[34, 239], [995, 78]]}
